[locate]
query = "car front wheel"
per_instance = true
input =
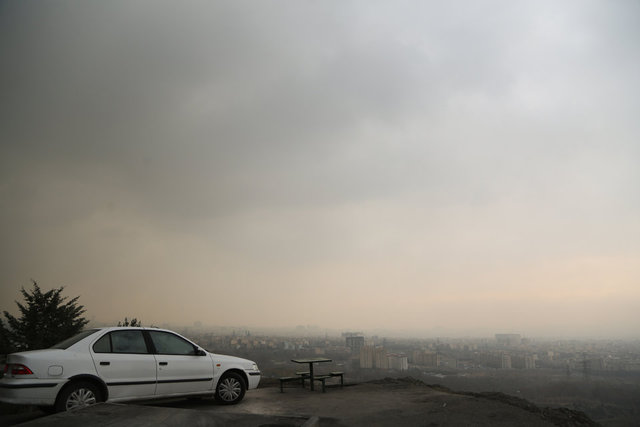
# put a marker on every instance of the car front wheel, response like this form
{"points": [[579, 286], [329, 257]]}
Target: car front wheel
{"points": [[77, 395], [230, 389]]}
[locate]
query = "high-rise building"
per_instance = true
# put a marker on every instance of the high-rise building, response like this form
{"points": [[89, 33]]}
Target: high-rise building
{"points": [[354, 343], [508, 340], [529, 362], [425, 358], [381, 361], [373, 357], [506, 361], [398, 362], [366, 357]]}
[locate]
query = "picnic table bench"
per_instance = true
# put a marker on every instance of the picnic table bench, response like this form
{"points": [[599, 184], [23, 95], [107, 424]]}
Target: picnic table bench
{"points": [[325, 377], [290, 379], [309, 375], [302, 376]]}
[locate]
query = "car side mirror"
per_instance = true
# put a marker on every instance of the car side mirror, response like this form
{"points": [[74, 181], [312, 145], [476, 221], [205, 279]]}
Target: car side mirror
{"points": [[201, 352]]}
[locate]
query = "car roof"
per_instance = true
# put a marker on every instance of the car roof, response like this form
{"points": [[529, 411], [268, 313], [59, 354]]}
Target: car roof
{"points": [[129, 328]]}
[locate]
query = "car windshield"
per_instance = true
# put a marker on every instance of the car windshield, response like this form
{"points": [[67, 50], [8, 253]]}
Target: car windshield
{"points": [[74, 339]]}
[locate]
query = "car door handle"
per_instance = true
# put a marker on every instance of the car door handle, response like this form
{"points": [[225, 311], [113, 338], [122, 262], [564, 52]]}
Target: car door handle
{"points": [[163, 363], [105, 363]]}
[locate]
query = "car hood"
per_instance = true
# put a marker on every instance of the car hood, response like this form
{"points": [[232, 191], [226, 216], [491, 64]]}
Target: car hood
{"points": [[232, 360]]}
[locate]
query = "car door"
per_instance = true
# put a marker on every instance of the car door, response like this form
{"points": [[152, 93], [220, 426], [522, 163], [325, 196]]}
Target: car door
{"points": [[181, 367], [125, 364]]}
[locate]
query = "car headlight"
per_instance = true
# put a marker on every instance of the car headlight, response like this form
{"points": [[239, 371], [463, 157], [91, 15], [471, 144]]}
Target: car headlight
{"points": [[255, 367]]}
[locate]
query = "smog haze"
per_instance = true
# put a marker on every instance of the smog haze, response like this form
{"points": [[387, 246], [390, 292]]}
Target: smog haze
{"points": [[440, 167]]}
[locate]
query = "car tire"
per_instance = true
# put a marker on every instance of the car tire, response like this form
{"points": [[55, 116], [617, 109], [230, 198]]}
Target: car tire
{"points": [[230, 389], [78, 394]]}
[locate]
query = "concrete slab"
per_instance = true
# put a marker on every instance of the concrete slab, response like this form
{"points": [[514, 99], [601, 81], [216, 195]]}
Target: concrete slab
{"points": [[116, 415], [381, 403]]}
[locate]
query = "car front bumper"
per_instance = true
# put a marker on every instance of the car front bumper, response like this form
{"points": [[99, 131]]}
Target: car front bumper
{"points": [[254, 379]]}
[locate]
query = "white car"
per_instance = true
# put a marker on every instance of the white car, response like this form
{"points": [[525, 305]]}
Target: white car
{"points": [[122, 364]]}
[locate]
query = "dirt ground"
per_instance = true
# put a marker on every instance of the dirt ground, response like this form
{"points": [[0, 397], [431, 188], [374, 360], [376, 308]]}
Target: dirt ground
{"points": [[388, 402], [391, 403]]}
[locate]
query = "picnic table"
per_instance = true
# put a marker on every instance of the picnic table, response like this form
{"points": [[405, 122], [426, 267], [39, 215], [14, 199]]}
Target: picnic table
{"points": [[311, 361]]}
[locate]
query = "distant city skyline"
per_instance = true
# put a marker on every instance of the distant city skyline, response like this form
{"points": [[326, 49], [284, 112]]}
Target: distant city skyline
{"points": [[465, 167], [318, 331]]}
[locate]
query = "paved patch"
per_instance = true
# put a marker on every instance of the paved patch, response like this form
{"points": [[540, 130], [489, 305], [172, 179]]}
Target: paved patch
{"points": [[116, 415]]}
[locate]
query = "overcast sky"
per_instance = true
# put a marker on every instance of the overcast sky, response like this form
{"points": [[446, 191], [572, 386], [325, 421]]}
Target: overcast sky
{"points": [[459, 167]]}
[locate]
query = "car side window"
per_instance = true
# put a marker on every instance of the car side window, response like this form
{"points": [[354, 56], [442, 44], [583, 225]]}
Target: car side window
{"points": [[103, 345], [128, 342], [167, 343]]}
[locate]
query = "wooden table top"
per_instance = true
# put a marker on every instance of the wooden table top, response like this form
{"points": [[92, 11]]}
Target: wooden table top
{"points": [[312, 360]]}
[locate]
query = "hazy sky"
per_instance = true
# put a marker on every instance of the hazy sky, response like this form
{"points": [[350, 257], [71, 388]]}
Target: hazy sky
{"points": [[466, 167]]}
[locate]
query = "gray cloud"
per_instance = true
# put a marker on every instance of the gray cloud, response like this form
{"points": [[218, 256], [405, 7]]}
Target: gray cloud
{"points": [[323, 135]]}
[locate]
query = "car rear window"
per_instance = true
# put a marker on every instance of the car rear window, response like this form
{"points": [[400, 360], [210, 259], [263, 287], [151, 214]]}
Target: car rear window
{"points": [[63, 345], [131, 342], [128, 342]]}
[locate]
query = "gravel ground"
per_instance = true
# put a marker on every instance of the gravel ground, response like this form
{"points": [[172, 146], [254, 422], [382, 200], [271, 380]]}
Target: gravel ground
{"points": [[392, 402], [388, 402]]}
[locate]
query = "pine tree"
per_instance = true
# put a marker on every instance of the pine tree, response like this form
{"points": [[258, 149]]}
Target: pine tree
{"points": [[46, 318], [133, 322]]}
